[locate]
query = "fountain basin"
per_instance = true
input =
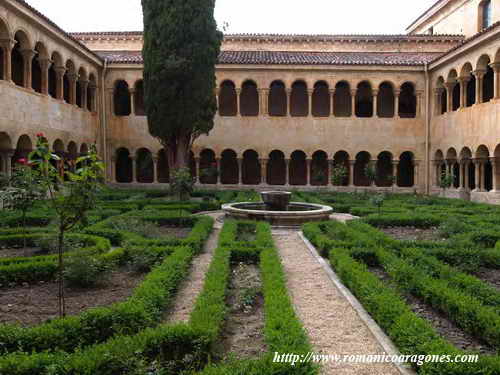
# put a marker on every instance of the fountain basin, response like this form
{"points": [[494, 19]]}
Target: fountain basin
{"points": [[276, 200], [296, 214]]}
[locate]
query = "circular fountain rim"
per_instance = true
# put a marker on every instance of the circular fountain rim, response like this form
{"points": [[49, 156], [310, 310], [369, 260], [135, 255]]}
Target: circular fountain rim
{"points": [[316, 209]]}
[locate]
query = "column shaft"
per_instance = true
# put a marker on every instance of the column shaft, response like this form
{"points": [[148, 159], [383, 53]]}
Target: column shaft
{"points": [[351, 172], [263, 171]]}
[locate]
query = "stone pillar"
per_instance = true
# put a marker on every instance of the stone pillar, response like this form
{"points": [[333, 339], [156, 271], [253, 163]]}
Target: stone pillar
{"points": [[45, 65], [217, 161], [449, 95], [397, 93], [496, 174], [263, 171], [8, 162], [466, 174], [238, 102], [287, 170], [72, 87], [110, 100], [308, 171], [134, 169], [60, 71], [332, 102], [113, 169], [264, 102], [83, 87], [353, 103], [375, 100], [28, 55], [240, 171], [463, 81], [496, 70], [477, 164], [373, 166], [93, 97], [395, 165], [351, 172], [288, 111], [420, 96], [217, 92], [155, 169], [416, 174], [483, 174], [132, 101], [461, 182], [479, 74], [310, 93], [8, 45]]}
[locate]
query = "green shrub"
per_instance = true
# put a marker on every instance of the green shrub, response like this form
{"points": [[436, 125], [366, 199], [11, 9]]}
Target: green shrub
{"points": [[84, 271]]}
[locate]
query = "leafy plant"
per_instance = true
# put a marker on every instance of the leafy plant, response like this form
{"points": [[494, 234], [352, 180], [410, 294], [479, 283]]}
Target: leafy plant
{"points": [[371, 173], [446, 181], [378, 201], [70, 194], [138, 226], [339, 174], [182, 183], [84, 271]]}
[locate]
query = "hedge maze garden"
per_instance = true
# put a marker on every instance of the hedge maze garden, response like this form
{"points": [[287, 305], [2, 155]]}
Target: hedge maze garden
{"points": [[426, 269]]}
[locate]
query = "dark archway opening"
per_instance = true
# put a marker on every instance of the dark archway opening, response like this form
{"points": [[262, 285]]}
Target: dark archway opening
{"points": [[163, 167], [121, 99], [362, 161], [208, 167], [249, 99], [341, 159], [66, 88], [251, 170], [36, 75], [384, 170], [444, 101], [319, 169], [299, 100], [342, 103], [276, 168], [321, 100], [488, 84], [406, 170], [456, 97], [364, 100], [123, 166], [229, 174], [139, 99], [228, 102], [385, 101], [471, 91], [407, 101], [52, 81], [277, 99], [17, 65], [298, 169], [145, 166]]}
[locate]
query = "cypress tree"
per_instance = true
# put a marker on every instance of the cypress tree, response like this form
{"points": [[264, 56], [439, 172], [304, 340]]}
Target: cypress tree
{"points": [[181, 48]]}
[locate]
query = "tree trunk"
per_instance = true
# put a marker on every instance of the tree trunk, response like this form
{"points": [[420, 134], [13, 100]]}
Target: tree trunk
{"points": [[62, 304], [178, 149]]}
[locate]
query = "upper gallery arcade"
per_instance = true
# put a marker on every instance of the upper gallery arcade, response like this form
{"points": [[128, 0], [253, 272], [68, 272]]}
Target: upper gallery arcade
{"points": [[291, 107]]}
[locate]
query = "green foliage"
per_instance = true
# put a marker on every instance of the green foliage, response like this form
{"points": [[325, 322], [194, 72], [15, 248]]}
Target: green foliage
{"points": [[370, 173], [182, 183], [84, 271], [181, 48], [445, 181], [378, 201], [339, 174]]}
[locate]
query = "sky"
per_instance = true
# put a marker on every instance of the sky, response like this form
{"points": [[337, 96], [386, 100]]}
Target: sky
{"points": [[249, 16]]}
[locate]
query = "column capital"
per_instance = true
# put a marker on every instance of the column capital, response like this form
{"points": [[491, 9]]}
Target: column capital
{"points": [[466, 161], [479, 74], [238, 90], [419, 92], [495, 66], [332, 92], [8, 43], [354, 92], [60, 70], [395, 162], [263, 160], [463, 79], [397, 92], [28, 53], [45, 63], [72, 77], [131, 90], [264, 89], [288, 90], [375, 92], [450, 85], [416, 163], [439, 90], [352, 162]]}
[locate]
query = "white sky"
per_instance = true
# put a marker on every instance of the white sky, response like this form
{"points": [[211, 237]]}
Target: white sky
{"points": [[249, 16]]}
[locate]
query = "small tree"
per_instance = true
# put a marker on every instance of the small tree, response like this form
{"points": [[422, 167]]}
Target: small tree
{"points": [[371, 173], [378, 201], [70, 194], [392, 180], [22, 190], [445, 182], [182, 183], [339, 174]]}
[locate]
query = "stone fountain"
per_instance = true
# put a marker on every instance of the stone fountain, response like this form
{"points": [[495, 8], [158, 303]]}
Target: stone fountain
{"points": [[277, 209]]}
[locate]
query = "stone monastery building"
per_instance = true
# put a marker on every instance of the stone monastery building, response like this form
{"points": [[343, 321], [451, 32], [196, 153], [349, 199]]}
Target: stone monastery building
{"points": [[290, 106]]}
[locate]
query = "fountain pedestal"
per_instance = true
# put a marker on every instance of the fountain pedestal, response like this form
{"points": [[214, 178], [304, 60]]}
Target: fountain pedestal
{"points": [[276, 200]]}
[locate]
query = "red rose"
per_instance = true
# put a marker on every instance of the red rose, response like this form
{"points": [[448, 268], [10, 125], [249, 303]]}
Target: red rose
{"points": [[22, 161], [40, 135]]}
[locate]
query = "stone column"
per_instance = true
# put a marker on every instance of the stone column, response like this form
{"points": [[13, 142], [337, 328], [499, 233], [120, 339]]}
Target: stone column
{"points": [[28, 55], [420, 95], [496, 70], [45, 65], [238, 102], [416, 174], [375, 100], [351, 172], [93, 97], [8, 163], [449, 95], [461, 182], [496, 174], [395, 165], [477, 174], [397, 93], [308, 171], [8, 45], [332, 102], [134, 169], [264, 102], [310, 93], [113, 169], [287, 170], [466, 174], [72, 87], [263, 171], [288, 111], [483, 174], [132, 101], [60, 71], [463, 81], [373, 166], [217, 161], [353, 103], [479, 74], [155, 169], [83, 87], [240, 171], [217, 92]]}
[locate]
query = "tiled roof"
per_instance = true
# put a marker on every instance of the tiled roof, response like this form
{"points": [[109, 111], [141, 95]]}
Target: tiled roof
{"points": [[295, 58], [290, 37]]}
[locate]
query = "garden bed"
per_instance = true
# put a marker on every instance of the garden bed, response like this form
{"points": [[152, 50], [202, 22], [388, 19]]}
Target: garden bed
{"points": [[413, 234], [489, 275], [30, 305], [242, 335], [175, 232], [19, 252]]}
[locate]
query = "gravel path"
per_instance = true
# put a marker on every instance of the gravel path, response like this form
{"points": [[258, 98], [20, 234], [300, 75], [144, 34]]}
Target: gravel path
{"points": [[193, 284], [333, 325]]}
